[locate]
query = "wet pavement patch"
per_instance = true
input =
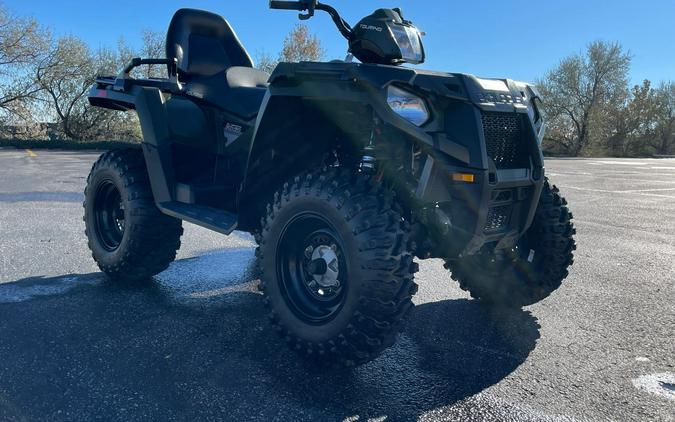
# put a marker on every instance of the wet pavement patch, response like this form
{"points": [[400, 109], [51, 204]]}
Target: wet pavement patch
{"points": [[199, 279], [662, 385], [34, 287]]}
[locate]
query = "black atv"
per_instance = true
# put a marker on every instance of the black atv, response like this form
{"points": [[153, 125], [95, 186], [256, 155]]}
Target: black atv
{"points": [[343, 171]]}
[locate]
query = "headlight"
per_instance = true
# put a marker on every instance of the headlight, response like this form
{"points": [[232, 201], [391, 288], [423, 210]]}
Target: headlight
{"points": [[408, 40], [407, 105]]}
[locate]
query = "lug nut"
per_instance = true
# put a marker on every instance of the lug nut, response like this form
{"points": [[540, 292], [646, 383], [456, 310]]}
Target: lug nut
{"points": [[309, 251]]}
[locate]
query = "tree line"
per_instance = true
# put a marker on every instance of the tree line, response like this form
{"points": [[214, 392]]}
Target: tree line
{"points": [[44, 82], [592, 110]]}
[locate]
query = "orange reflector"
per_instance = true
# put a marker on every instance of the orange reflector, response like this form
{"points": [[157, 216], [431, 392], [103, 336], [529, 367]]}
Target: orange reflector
{"points": [[463, 177]]}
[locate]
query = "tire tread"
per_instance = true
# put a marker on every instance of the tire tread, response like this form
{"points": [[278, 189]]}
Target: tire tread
{"points": [[154, 237], [389, 285]]}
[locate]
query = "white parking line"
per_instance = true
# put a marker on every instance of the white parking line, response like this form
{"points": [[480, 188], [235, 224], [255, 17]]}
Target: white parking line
{"points": [[634, 192], [620, 163], [661, 385], [630, 179], [549, 173], [643, 190]]}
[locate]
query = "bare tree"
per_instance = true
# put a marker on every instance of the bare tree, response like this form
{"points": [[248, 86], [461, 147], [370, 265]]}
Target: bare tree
{"points": [[266, 63], [154, 47], [299, 45], [22, 43], [66, 75], [581, 90], [122, 56]]}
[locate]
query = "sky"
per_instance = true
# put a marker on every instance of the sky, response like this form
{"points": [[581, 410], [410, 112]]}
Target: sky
{"points": [[514, 39]]}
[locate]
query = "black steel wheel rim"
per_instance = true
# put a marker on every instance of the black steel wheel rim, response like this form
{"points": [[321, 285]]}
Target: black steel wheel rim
{"points": [[315, 291], [109, 215]]}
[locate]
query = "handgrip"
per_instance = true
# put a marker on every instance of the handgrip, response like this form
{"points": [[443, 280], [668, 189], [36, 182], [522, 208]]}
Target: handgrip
{"points": [[287, 5]]}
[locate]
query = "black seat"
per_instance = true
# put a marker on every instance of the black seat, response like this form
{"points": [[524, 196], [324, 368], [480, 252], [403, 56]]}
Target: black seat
{"points": [[213, 64]]}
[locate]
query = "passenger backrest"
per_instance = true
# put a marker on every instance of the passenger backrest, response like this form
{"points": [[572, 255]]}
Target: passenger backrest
{"points": [[204, 44]]}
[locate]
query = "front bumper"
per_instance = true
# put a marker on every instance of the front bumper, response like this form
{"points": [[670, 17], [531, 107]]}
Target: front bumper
{"points": [[497, 208], [502, 133]]}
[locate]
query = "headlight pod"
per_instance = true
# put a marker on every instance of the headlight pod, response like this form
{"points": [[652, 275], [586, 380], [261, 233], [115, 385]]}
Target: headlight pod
{"points": [[408, 105], [408, 40]]}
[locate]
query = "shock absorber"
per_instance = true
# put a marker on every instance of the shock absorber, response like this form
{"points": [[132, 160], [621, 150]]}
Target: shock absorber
{"points": [[368, 153]]}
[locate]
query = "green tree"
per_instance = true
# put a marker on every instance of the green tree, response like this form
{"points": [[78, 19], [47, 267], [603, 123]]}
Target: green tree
{"points": [[629, 127], [581, 91], [664, 138]]}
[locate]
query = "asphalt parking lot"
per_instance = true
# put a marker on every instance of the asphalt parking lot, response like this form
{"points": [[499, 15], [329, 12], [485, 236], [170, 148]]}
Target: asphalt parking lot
{"points": [[194, 343]]}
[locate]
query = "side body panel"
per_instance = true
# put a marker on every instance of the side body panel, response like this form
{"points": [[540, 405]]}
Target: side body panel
{"points": [[312, 108]]}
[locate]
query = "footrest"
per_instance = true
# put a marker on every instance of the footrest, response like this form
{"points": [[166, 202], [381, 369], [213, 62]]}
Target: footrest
{"points": [[210, 218]]}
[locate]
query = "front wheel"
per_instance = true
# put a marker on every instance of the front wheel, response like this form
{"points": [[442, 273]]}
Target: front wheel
{"points": [[531, 271], [337, 274]]}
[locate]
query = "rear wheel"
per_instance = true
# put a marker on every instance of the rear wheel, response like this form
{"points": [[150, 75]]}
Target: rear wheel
{"points": [[130, 239], [337, 275], [531, 271]]}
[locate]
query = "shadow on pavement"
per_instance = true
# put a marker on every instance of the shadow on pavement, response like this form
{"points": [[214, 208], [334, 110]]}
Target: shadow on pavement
{"points": [[104, 351]]}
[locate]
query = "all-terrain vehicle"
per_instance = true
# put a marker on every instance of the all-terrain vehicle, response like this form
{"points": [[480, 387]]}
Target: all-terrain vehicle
{"points": [[343, 171]]}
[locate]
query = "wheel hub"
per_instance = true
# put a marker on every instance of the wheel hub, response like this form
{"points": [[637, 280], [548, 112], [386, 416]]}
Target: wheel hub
{"points": [[118, 215], [312, 267], [325, 266]]}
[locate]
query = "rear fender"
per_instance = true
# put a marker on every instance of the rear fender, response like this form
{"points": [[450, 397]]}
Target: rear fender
{"points": [[149, 103], [112, 100]]}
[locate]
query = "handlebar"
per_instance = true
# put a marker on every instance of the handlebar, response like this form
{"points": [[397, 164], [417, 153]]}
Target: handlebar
{"points": [[310, 6], [287, 5]]}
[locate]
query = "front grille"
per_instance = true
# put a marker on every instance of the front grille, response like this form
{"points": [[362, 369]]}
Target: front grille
{"points": [[497, 218], [505, 139]]}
